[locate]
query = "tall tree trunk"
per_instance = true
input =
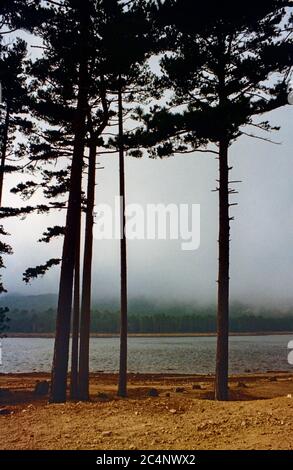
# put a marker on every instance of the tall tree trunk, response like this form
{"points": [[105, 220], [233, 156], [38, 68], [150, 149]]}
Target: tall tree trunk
{"points": [[122, 386], [221, 382], [61, 349], [87, 278], [4, 150], [75, 322]]}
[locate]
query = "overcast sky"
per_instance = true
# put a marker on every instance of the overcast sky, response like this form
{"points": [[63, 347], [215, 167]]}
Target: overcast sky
{"points": [[262, 233]]}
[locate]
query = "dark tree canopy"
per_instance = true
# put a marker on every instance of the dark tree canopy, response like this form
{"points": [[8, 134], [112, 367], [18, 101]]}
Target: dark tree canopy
{"points": [[226, 65]]}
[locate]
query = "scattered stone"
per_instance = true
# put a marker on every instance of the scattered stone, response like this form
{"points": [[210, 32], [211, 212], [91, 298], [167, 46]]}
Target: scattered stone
{"points": [[103, 396], [173, 411], [5, 411], [201, 426], [241, 385], [42, 388], [196, 387], [153, 392], [155, 441], [179, 389], [106, 433]]}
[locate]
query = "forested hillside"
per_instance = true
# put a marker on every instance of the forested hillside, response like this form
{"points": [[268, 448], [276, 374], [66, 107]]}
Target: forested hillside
{"points": [[154, 321]]}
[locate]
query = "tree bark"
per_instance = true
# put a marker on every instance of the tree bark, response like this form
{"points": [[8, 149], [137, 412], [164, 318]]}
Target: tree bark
{"points": [[87, 278], [122, 386], [4, 150], [61, 348], [221, 380], [75, 323]]}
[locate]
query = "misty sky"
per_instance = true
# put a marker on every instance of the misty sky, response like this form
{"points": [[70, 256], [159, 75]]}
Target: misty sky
{"points": [[262, 233]]}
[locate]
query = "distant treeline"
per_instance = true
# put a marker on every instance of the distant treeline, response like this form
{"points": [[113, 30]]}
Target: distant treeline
{"points": [[31, 321]]}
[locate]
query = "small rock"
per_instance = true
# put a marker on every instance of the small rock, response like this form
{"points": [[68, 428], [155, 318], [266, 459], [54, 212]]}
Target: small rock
{"points": [[196, 387], [289, 395], [241, 385], [179, 389], [42, 388], [173, 411], [243, 423], [106, 433], [103, 396], [273, 379], [167, 394], [136, 413], [153, 392], [5, 411]]}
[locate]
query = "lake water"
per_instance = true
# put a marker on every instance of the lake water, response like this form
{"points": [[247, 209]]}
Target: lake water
{"points": [[192, 355]]}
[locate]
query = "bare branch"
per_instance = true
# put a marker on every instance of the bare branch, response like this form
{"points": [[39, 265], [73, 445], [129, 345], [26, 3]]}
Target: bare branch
{"points": [[261, 138]]}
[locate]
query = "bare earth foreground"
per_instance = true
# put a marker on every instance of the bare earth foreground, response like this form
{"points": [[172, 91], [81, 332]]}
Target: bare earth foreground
{"points": [[183, 416]]}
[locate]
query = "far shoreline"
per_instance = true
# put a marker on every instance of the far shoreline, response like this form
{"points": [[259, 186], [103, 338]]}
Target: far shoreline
{"points": [[153, 335]]}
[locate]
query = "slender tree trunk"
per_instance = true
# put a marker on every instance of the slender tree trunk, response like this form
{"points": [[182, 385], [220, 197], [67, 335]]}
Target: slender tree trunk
{"points": [[61, 349], [221, 382], [4, 150], [87, 278], [122, 387], [75, 323]]}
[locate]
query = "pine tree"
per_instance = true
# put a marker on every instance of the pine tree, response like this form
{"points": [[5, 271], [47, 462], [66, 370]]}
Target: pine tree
{"points": [[127, 43], [97, 123], [14, 104], [67, 37], [21, 14], [55, 101], [226, 65]]}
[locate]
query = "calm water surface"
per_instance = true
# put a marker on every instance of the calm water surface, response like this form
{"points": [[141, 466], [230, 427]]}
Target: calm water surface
{"points": [[173, 355]]}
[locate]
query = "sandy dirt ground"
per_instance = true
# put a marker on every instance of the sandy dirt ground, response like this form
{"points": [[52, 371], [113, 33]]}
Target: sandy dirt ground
{"points": [[259, 414]]}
